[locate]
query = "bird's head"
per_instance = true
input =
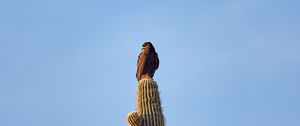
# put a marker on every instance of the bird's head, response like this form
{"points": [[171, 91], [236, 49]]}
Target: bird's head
{"points": [[147, 45]]}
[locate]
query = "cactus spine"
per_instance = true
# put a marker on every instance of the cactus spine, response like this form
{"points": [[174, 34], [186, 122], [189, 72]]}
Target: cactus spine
{"points": [[148, 107]]}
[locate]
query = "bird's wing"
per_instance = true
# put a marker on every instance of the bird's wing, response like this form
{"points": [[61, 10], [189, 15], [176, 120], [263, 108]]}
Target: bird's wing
{"points": [[140, 64], [157, 62]]}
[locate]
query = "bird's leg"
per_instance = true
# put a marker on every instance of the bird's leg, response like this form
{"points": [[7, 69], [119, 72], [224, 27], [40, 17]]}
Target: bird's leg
{"points": [[146, 76]]}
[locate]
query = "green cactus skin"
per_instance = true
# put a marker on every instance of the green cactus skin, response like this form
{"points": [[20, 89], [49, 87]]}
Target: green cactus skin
{"points": [[148, 106]]}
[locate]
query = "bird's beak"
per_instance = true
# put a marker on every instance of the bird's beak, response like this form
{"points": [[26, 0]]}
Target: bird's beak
{"points": [[142, 48]]}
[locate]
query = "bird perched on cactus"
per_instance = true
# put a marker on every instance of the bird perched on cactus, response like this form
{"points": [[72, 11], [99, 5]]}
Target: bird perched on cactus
{"points": [[148, 106], [147, 62]]}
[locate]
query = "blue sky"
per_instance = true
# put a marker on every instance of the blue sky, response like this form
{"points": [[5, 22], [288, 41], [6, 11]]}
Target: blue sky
{"points": [[222, 63]]}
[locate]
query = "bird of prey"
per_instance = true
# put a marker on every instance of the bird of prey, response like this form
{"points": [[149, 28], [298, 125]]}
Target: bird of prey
{"points": [[147, 62]]}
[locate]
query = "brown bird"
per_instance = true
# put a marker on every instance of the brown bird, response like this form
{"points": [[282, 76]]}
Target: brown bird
{"points": [[147, 62]]}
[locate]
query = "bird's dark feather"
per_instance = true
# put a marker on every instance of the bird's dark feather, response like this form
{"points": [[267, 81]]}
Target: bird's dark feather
{"points": [[147, 63]]}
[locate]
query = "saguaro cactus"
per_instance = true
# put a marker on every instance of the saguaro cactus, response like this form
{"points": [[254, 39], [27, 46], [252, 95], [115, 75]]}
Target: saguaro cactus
{"points": [[148, 107]]}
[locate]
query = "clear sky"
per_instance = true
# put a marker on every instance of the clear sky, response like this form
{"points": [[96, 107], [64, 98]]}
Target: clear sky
{"points": [[222, 62]]}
